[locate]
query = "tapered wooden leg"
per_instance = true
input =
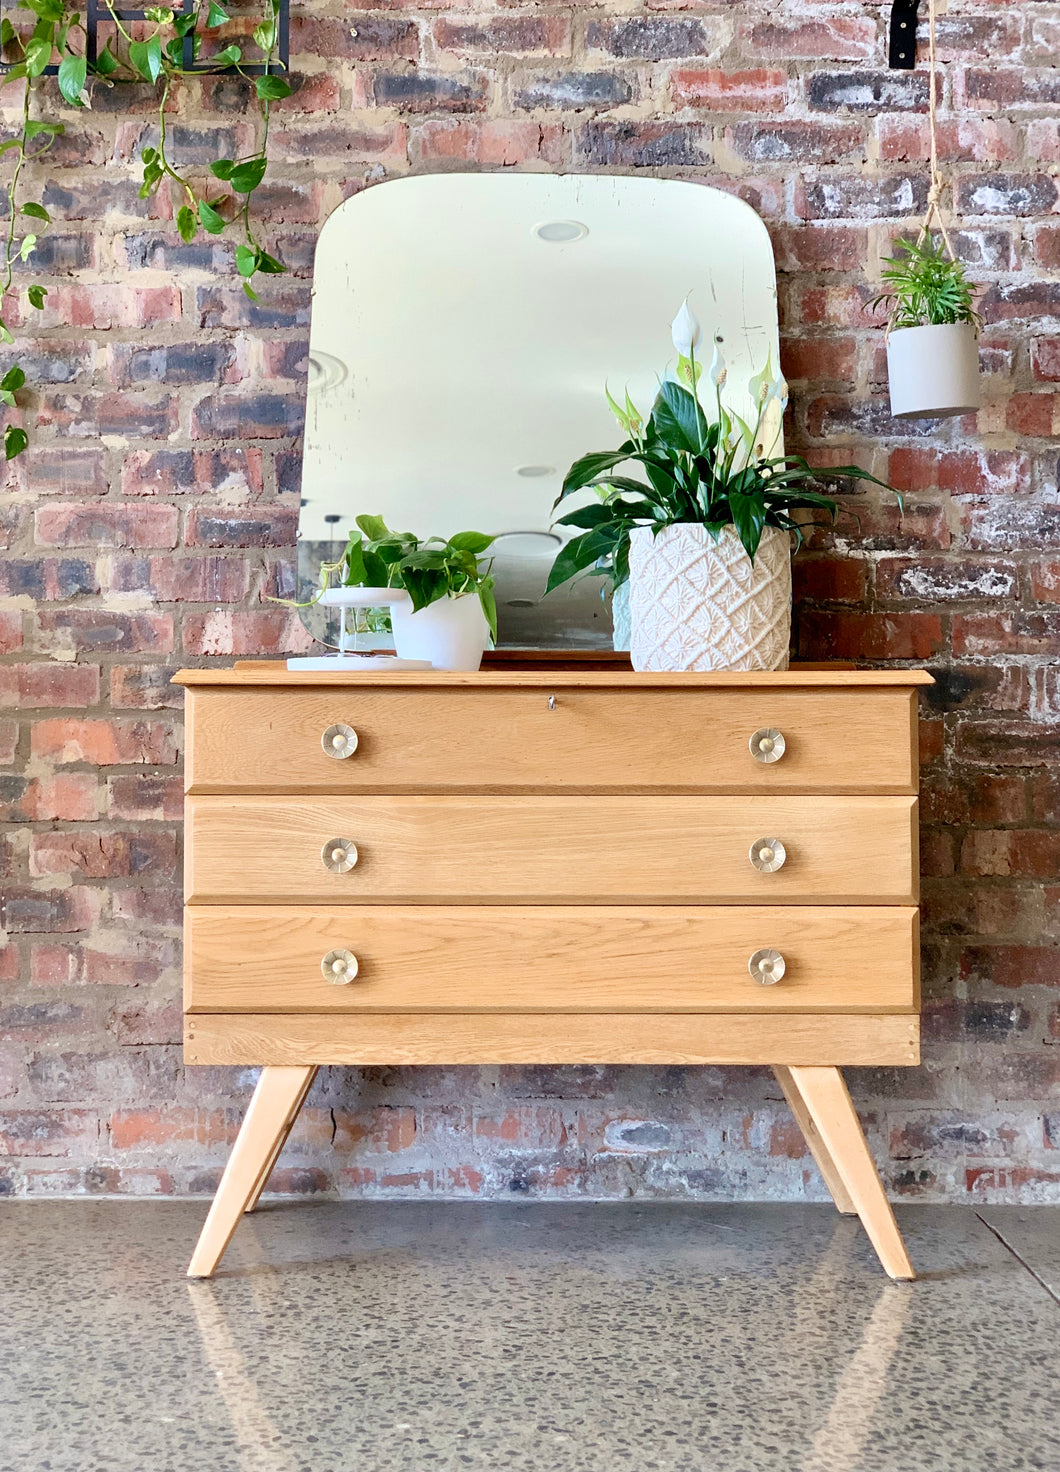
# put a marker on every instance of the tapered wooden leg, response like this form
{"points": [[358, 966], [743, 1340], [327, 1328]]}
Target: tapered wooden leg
{"points": [[270, 1114], [263, 1179], [825, 1096], [824, 1162]]}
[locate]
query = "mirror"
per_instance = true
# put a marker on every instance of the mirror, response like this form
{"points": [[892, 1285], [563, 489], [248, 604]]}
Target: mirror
{"points": [[464, 328]]}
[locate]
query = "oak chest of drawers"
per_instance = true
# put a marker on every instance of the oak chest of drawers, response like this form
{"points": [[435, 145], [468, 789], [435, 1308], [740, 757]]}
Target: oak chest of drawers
{"points": [[552, 867]]}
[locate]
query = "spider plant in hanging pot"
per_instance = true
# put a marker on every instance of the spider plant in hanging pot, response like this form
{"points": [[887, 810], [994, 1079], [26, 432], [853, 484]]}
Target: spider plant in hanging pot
{"points": [[706, 542], [933, 332]]}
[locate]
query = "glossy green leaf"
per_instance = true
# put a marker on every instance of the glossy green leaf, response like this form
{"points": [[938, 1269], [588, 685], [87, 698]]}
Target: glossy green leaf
{"points": [[13, 379], [228, 57], [187, 224], [222, 168], [26, 249], [246, 177], [209, 219], [269, 265], [36, 212], [35, 129], [246, 260], [15, 441], [374, 527], [146, 57], [73, 73], [38, 55], [46, 10], [474, 542], [36, 296], [216, 16], [14, 73], [271, 88], [249, 292], [10, 143]]}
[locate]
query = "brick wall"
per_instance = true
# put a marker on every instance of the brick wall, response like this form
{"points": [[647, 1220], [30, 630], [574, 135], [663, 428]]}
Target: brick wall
{"points": [[157, 509]]}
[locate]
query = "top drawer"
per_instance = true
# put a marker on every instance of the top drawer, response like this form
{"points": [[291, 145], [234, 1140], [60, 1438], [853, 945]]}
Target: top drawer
{"points": [[514, 740]]}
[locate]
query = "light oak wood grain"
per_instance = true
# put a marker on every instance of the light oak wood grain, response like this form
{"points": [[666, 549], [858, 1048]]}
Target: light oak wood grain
{"points": [[547, 1038], [825, 1097], [269, 1118], [483, 739], [441, 959], [582, 850], [838, 676], [816, 1146]]}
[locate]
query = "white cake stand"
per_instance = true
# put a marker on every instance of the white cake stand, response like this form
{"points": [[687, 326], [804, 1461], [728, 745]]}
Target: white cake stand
{"points": [[346, 659]]}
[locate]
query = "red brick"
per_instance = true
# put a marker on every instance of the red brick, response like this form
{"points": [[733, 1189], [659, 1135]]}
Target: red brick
{"points": [[101, 524], [145, 799], [105, 743], [360, 38], [48, 1132], [10, 630], [819, 359], [36, 685], [1045, 359], [1029, 853], [144, 687], [68, 796], [904, 138], [840, 38], [830, 579], [140, 1129], [915, 636], [277, 631], [975, 472], [492, 142], [170, 579], [8, 741], [72, 631], [100, 306], [934, 580], [1006, 633], [52, 911], [761, 90], [98, 854], [1034, 415], [511, 35]]}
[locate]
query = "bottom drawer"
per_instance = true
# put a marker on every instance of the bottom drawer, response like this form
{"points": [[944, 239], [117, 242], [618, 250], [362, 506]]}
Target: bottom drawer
{"points": [[434, 958]]}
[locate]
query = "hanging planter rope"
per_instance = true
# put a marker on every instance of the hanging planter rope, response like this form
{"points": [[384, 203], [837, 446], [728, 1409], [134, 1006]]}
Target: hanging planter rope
{"points": [[933, 367]]}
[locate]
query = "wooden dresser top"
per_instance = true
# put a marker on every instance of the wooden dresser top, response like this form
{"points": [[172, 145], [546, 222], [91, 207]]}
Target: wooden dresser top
{"points": [[251, 674]]}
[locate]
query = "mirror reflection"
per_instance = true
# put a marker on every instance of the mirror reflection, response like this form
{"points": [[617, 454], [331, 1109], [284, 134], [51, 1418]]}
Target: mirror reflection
{"points": [[464, 329]]}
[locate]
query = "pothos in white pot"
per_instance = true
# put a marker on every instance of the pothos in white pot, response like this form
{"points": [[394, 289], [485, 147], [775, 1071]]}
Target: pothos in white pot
{"points": [[705, 538], [439, 592], [933, 332]]}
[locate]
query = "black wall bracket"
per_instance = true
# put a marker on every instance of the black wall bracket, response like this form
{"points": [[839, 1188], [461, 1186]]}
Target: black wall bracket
{"points": [[902, 51]]}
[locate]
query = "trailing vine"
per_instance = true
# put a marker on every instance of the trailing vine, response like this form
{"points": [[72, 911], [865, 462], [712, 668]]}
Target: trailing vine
{"points": [[155, 51]]}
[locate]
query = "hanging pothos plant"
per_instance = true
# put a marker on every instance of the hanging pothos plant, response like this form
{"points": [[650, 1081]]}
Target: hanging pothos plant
{"points": [[152, 50]]}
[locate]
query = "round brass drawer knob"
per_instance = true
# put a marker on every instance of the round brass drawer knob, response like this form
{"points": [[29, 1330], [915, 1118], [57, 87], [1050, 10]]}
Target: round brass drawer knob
{"points": [[767, 855], [767, 966], [339, 855], [339, 967], [339, 742], [768, 744]]}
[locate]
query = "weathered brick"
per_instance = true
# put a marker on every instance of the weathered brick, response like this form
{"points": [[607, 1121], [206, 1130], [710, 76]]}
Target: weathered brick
{"points": [[271, 527], [514, 35], [652, 38], [103, 524], [49, 684], [904, 138], [858, 198], [815, 248], [247, 416], [179, 363], [852, 635], [68, 632], [1009, 194], [235, 474], [67, 796], [418, 92], [358, 38], [640, 145], [182, 579], [839, 38], [97, 853], [46, 911], [760, 90], [145, 799], [863, 91], [103, 743], [1009, 87], [935, 580], [490, 142], [144, 687], [276, 631], [803, 142], [576, 91], [47, 578]]}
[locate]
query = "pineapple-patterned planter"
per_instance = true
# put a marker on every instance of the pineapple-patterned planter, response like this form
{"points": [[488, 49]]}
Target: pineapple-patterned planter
{"points": [[700, 604]]}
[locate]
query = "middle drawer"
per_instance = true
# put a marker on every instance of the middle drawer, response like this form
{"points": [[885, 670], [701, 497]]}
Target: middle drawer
{"points": [[540, 850]]}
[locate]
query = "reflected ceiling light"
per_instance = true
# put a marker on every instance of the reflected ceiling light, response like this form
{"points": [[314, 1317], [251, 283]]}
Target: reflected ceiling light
{"points": [[325, 372], [531, 472], [560, 232]]}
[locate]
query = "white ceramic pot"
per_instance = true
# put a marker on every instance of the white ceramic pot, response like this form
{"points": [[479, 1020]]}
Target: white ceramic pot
{"points": [[620, 618], [933, 372], [697, 604], [451, 632]]}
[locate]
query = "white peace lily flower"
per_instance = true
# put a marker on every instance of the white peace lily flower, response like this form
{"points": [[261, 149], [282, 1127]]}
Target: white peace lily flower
{"points": [[685, 331], [778, 390], [760, 384], [718, 370]]}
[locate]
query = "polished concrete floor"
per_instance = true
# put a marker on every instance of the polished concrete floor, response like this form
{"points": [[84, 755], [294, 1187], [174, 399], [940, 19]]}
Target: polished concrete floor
{"points": [[411, 1337]]}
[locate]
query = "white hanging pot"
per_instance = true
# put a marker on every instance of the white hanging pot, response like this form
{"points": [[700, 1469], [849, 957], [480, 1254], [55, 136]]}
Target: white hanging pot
{"points": [[933, 372], [700, 604], [451, 632]]}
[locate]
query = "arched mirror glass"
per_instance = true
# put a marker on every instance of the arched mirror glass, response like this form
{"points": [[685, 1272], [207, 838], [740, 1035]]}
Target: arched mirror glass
{"points": [[464, 328]]}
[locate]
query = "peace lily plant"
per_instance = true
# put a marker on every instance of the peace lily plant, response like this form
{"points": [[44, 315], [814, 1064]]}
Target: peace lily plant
{"points": [[705, 537]]}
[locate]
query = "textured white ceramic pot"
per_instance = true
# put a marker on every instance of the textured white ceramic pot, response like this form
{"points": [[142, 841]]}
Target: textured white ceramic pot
{"points": [[451, 632], [697, 604], [620, 618], [933, 372]]}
